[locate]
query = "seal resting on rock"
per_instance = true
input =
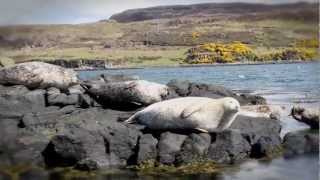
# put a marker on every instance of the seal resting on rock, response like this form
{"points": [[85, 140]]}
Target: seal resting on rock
{"points": [[199, 113], [122, 94], [38, 75], [309, 116]]}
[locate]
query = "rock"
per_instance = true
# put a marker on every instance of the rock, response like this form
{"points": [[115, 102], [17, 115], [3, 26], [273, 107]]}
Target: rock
{"points": [[180, 87], [186, 88], [38, 75], [48, 120], [91, 136], [262, 133], [121, 140], [147, 148], [118, 78], [169, 146], [301, 142], [76, 89], [229, 147], [4, 176], [127, 95], [75, 145], [18, 100], [87, 165], [251, 99], [34, 174], [309, 116], [18, 146], [194, 148], [56, 98]]}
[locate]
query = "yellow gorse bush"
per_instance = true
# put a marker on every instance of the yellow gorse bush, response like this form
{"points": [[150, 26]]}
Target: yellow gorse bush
{"points": [[218, 52], [237, 51]]}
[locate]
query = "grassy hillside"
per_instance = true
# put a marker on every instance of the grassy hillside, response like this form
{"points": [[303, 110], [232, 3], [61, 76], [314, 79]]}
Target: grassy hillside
{"points": [[162, 39]]}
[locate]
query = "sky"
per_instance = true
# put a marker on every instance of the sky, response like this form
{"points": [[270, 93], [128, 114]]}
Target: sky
{"points": [[82, 11]]}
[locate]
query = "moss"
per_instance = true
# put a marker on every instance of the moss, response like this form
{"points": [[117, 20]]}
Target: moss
{"points": [[200, 167], [71, 173], [5, 61], [15, 171]]}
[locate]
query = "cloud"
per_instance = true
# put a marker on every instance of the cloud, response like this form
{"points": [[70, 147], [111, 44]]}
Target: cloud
{"points": [[79, 11]]}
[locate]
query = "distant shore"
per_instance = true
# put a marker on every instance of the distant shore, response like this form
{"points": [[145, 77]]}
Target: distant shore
{"points": [[201, 65]]}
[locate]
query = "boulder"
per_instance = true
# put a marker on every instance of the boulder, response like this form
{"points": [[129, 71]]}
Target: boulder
{"points": [[18, 146], [34, 173], [309, 116], [18, 100], [194, 148], [301, 142], [91, 138], [147, 148], [186, 88], [38, 75], [263, 134], [169, 146], [229, 147], [56, 98]]}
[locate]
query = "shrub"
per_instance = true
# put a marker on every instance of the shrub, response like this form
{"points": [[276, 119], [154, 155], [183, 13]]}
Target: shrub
{"points": [[220, 53], [5, 61]]}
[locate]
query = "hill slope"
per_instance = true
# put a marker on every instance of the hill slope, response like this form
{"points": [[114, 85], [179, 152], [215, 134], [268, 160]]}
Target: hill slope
{"points": [[301, 11], [165, 34]]}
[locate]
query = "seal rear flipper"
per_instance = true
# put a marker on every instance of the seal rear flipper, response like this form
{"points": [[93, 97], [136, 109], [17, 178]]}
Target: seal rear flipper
{"points": [[201, 130], [131, 120]]}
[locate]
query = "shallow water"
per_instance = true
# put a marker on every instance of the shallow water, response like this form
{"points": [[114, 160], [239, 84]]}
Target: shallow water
{"points": [[281, 84]]}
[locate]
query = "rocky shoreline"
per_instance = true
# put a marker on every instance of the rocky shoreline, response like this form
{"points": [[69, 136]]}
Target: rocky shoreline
{"points": [[52, 127], [94, 65]]}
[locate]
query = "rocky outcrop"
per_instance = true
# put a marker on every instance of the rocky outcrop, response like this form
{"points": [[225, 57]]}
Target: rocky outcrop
{"points": [[186, 88], [38, 75], [62, 128], [309, 116], [301, 142], [18, 100]]}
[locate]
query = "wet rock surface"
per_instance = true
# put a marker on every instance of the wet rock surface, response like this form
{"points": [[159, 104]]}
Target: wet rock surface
{"points": [[301, 142], [187, 88]]}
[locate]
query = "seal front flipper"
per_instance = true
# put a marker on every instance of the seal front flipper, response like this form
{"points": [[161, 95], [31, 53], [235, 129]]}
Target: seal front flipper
{"points": [[131, 120], [189, 111]]}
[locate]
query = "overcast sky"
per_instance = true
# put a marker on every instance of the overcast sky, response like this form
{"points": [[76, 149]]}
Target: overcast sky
{"points": [[81, 11]]}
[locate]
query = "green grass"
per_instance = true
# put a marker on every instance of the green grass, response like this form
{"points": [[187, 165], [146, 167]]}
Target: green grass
{"points": [[86, 41]]}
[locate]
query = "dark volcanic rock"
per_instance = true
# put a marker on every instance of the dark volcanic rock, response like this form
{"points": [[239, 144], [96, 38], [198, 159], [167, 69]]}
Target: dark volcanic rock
{"points": [[17, 100], [34, 174], [229, 147], [75, 145], [194, 148], [56, 98], [169, 146], [263, 134], [186, 88], [147, 148], [91, 136], [308, 116], [301, 142], [87, 165]]}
